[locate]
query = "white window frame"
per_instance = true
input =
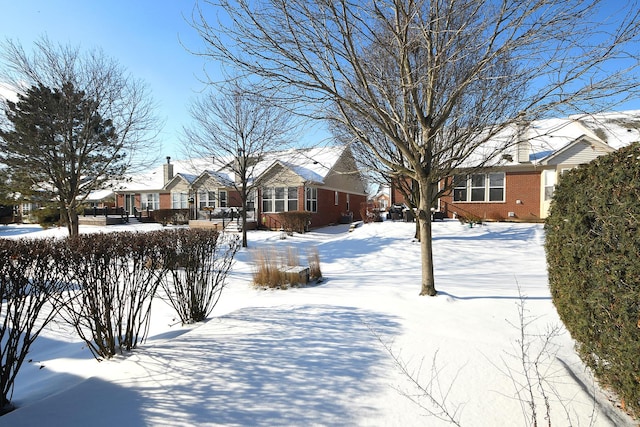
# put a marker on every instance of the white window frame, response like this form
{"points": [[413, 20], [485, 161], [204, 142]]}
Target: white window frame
{"points": [[311, 199], [179, 200], [550, 179], [206, 199], [150, 201], [477, 188], [222, 198], [279, 199]]}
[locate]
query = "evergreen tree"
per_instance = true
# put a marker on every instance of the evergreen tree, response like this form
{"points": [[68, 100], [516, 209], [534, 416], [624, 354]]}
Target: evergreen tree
{"points": [[60, 145]]}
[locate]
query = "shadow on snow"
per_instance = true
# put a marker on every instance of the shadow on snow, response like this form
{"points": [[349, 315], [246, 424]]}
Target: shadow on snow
{"points": [[272, 366]]}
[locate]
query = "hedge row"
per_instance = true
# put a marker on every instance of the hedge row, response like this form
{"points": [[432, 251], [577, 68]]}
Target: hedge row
{"points": [[103, 285], [295, 221]]}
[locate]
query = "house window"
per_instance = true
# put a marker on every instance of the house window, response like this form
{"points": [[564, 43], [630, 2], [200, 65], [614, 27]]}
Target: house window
{"points": [[267, 199], [460, 188], [336, 199], [206, 199], [348, 207], [292, 199], [549, 184], [496, 187], [251, 200], [222, 198], [279, 199], [479, 187], [179, 200], [150, 201], [311, 199]]}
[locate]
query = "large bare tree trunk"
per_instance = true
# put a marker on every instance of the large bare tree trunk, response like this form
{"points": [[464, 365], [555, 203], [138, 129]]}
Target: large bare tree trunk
{"points": [[426, 247], [73, 222], [244, 223]]}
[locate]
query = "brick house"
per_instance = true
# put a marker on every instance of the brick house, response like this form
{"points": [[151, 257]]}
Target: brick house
{"points": [[382, 199], [518, 185], [323, 181]]}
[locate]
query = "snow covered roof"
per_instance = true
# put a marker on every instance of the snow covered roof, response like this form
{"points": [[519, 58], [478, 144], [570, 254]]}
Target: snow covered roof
{"points": [[98, 195], [542, 139], [189, 177], [312, 164], [220, 176]]}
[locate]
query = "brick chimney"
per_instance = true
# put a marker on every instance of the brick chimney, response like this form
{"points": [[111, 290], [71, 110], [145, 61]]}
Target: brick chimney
{"points": [[168, 170]]}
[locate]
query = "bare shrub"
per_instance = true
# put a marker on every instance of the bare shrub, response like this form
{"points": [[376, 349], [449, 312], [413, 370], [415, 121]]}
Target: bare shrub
{"points": [[267, 271], [197, 263], [116, 275], [30, 275], [431, 397], [313, 256], [281, 268]]}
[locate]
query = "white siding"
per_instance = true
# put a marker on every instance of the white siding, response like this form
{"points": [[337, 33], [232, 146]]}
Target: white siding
{"points": [[577, 154]]}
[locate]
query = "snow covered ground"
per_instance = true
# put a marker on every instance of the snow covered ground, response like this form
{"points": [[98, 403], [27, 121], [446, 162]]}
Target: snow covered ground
{"points": [[330, 354]]}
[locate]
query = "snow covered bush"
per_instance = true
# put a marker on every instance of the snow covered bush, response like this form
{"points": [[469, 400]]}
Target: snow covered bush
{"points": [[197, 263], [116, 276], [31, 275], [593, 257]]}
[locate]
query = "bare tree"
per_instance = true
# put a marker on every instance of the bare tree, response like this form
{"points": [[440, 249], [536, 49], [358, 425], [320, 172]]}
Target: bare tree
{"points": [[80, 122], [237, 127], [439, 78]]}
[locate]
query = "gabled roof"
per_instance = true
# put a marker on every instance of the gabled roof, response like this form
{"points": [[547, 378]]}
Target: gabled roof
{"points": [[153, 180], [220, 177], [540, 141], [583, 139], [311, 164], [189, 178]]}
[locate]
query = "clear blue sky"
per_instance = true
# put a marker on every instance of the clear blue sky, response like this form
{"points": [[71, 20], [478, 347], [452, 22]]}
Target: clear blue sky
{"points": [[144, 36]]}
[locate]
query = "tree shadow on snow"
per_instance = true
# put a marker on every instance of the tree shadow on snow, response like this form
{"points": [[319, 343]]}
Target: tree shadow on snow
{"points": [[514, 232], [271, 366], [92, 402]]}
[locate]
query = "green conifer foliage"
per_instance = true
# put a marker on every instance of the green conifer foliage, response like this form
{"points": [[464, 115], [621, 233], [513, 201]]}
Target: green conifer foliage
{"points": [[593, 257]]}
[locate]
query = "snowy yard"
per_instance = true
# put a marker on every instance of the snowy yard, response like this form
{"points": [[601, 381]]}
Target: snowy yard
{"points": [[322, 354]]}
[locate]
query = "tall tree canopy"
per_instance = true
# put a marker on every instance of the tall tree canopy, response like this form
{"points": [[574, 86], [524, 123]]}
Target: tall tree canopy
{"points": [[63, 142], [424, 84], [78, 124]]}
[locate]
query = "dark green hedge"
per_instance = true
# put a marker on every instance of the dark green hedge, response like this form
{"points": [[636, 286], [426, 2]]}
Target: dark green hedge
{"points": [[593, 257]]}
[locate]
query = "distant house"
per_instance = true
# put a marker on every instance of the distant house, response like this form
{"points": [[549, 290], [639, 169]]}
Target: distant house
{"points": [[323, 181], [519, 183], [382, 199]]}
